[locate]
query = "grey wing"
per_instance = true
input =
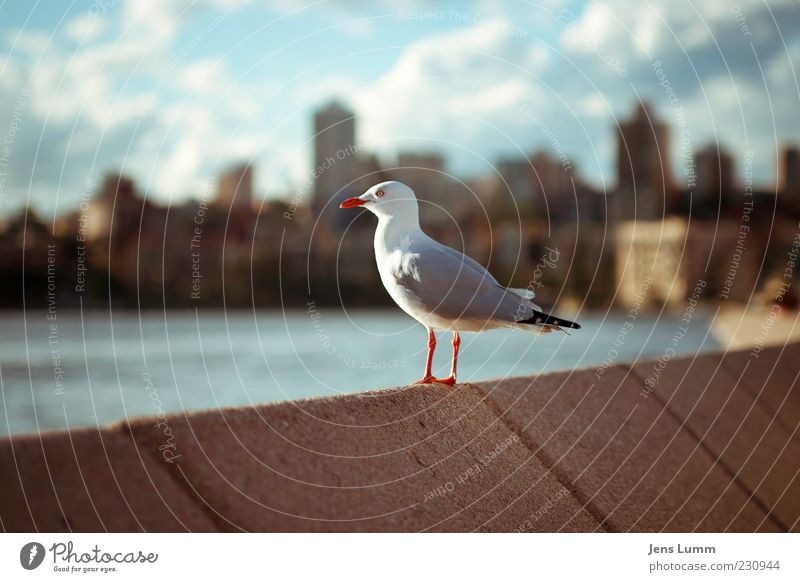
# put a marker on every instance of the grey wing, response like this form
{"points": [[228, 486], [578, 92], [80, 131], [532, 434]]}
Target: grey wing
{"points": [[468, 263], [452, 286]]}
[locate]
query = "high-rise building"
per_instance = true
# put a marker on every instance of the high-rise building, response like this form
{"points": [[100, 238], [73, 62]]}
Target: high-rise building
{"points": [[423, 172], [714, 168], [514, 188], [115, 209], [789, 171], [235, 188], [335, 159], [644, 187], [538, 186], [552, 187]]}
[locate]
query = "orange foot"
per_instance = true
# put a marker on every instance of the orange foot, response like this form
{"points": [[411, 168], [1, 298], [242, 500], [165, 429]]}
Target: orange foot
{"points": [[450, 380]]}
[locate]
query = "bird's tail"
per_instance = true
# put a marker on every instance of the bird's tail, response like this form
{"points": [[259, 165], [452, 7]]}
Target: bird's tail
{"points": [[526, 295], [543, 319]]}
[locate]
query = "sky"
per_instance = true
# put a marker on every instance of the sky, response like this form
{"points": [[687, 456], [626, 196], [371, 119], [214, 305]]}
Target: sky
{"points": [[173, 92]]}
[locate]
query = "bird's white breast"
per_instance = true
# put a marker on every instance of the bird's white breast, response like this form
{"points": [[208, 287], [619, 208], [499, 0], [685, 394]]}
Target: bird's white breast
{"points": [[396, 259]]}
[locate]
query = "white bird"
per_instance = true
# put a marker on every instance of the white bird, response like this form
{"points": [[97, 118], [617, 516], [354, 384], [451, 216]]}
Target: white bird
{"points": [[438, 286]]}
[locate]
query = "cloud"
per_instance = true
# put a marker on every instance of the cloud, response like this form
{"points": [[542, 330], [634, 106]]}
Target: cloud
{"points": [[85, 28], [464, 86], [675, 31], [108, 105], [28, 41], [646, 28]]}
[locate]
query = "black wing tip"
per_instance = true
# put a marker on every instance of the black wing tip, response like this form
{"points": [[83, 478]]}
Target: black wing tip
{"points": [[540, 318]]}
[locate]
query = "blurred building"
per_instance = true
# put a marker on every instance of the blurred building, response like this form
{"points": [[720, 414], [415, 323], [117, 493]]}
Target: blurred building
{"points": [[367, 172], [729, 256], [115, 210], [650, 269], [543, 188], [335, 159], [235, 188], [644, 186], [514, 188], [789, 171], [553, 187], [714, 168], [419, 170]]}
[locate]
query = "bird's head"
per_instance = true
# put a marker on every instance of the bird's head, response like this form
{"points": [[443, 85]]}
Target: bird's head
{"points": [[387, 199]]}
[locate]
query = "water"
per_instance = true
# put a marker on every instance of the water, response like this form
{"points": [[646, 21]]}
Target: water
{"points": [[98, 369]]}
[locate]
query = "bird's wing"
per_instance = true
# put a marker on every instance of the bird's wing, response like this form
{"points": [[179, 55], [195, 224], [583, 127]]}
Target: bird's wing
{"points": [[468, 262], [471, 263], [452, 286]]}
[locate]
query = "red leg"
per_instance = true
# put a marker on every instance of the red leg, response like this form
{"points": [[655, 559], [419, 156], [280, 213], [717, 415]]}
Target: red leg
{"points": [[451, 379], [428, 378]]}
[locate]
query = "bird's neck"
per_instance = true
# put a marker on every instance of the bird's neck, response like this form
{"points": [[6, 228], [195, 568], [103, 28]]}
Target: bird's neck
{"points": [[392, 229]]}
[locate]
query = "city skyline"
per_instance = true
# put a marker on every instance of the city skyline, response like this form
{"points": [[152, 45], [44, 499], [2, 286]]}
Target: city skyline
{"points": [[533, 208], [170, 92], [714, 169]]}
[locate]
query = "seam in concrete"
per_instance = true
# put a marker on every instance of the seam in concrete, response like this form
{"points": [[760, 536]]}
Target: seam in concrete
{"points": [[728, 470], [757, 394], [177, 477], [547, 462]]}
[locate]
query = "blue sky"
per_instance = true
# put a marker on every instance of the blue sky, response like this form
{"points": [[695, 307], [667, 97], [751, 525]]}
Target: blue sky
{"points": [[174, 91]]}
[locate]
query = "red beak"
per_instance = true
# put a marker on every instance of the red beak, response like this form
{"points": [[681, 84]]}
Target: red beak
{"points": [[352, 203]]}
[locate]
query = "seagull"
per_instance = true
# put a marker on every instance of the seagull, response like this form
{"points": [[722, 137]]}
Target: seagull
{"points": [[440, 287]]}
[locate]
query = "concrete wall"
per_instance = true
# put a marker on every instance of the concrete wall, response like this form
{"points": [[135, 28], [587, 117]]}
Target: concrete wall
{"points": [[708, 444]]}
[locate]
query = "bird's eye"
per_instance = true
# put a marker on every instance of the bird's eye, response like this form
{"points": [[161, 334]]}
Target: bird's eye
{"points": [[379, 193]]}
